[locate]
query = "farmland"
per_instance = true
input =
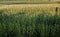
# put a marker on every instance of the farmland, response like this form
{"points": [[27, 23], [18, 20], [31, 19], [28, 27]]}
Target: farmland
{"points": [[30, 20], [30, 2]]}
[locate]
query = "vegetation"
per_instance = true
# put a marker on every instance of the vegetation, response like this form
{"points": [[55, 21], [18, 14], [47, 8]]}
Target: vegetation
{"points": [[29, 22], [28, 2]]}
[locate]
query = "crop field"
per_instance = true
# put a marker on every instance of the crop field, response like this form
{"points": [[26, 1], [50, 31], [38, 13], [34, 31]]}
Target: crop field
{"points": [[30, 2], [30, 20]]}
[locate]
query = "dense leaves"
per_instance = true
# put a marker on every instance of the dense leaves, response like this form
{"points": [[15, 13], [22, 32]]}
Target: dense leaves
{"points": [[25, 25]]}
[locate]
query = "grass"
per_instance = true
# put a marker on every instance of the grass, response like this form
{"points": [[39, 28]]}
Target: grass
{"points": [[29, 22], [29, 2]]}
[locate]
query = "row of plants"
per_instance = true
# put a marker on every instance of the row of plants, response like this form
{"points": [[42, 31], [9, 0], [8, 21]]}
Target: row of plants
{"points": [[23, 24]]}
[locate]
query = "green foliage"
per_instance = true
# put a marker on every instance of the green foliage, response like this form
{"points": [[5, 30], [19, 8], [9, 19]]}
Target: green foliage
{"points": [[23, 25]]}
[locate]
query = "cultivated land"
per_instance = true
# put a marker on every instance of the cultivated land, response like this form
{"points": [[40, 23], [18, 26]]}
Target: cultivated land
{"points": [[29, 5], [30, 2], [30, 20]]}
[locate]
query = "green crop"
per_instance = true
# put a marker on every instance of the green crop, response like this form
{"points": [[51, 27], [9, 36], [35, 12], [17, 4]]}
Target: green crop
{"points": [[32, 22]]}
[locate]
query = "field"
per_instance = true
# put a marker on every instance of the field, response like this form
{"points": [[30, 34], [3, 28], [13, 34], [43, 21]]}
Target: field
{"points": [[30, 2], [30, 20]]}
